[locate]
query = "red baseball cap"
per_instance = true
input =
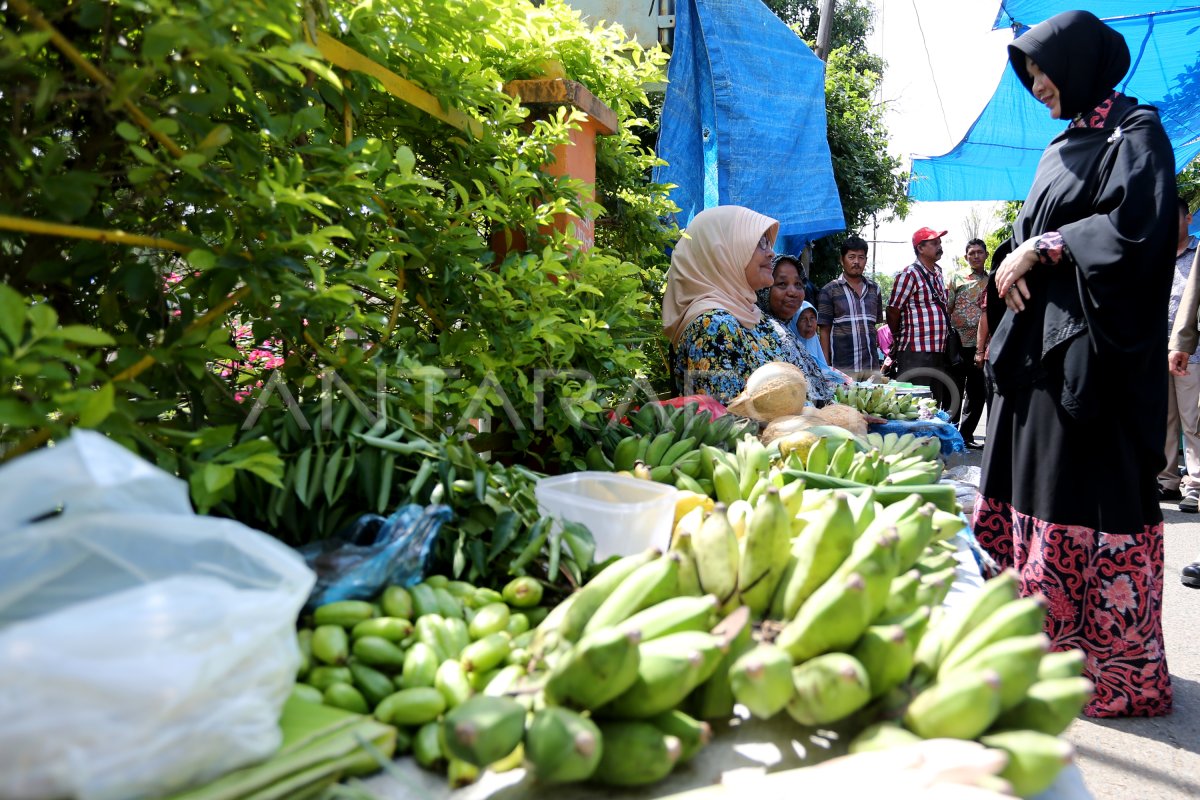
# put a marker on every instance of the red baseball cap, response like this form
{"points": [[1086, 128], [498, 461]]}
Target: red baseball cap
{"points": [[925, 234]]}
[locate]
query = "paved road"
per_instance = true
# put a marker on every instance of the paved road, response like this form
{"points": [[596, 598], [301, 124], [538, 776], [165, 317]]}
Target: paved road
{"points": [[1154, 759]]}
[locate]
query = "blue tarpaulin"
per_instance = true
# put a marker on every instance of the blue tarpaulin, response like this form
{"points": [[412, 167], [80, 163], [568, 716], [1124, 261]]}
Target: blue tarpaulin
{"points": [[743, 121], [997, 158]]}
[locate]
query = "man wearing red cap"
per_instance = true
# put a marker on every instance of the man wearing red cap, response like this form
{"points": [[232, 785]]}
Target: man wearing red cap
{"points": [[916, 314]]}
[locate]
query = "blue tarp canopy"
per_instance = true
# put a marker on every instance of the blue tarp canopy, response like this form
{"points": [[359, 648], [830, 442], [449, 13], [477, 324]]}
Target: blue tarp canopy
{"points": [[743, 121], [999, 155]]}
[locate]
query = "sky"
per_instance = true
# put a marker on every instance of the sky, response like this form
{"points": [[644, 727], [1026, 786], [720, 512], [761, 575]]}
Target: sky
{"points": [[943, 64]]}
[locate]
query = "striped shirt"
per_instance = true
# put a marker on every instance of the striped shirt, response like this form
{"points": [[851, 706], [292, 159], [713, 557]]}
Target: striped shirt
{"points": [[919, 295], [852, 317]]}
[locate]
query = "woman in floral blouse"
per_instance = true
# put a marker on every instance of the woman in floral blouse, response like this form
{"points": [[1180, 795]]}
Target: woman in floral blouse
{"points": [[718, 333]]}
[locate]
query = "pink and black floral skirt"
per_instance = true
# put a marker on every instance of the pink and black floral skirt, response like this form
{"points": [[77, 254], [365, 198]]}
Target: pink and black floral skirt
{"points": [[1104, 595]]}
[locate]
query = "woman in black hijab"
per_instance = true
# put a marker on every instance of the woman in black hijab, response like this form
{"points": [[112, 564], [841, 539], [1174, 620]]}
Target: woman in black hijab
{"points": [[1068, 494]]}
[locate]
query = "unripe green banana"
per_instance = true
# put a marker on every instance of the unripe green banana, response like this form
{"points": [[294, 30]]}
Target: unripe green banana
{"points": [[635, 753], [625, 453], [689, 575], [829, 687], [678, 450], [964, 618], [818, 457], [761, 680], [693, 734], [713, 699], [672, 615], [946, 525], [1015, 660], [658, 448], [1022, 617], [460, 773], [915, 532], [820, 549], [874, 558], [886, 655], [726, 484], [597, 669], [484, 729], [716, 548], [882, 736], [346, 613], [1049, 706], [669, 668], [583, 604], [831, 619], [840, 461], [961, 705], [764, 553], [1062, 664], [902, 596], [646, 586], [1034, 759], [330, 644], [562, 746], [935, 587]]}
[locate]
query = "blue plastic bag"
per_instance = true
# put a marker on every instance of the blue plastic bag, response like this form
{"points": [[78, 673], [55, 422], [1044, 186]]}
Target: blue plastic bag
{"points": [[373, 552]]}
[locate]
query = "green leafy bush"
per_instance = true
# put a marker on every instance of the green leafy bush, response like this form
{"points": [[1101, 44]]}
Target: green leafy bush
{"points": [[323, 214]]}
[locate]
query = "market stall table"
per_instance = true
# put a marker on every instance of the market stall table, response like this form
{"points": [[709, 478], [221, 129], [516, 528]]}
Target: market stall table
{"points": [[739, 752]]}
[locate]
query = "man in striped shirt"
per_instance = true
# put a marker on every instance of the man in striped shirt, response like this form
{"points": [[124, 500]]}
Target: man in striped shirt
{"points": [[916, 313], [848, 309]]}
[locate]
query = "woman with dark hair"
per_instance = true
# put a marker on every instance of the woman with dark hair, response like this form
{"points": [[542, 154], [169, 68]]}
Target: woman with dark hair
{"points": [[718, 332], [1069, 496]]}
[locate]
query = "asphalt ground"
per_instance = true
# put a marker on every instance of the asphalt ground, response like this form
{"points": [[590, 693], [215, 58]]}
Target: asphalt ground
{"points": [[1156, 758]]}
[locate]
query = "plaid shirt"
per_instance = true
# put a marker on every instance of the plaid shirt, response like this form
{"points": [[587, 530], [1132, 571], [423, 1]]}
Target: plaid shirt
{"points": [[920, 296], [852, 317]]}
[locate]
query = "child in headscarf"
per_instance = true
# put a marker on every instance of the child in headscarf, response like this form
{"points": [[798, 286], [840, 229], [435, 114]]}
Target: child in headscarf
{"points": [[718, 333]]}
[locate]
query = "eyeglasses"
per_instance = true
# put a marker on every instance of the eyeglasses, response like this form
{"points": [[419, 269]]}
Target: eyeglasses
{"points": [[764, 244]]}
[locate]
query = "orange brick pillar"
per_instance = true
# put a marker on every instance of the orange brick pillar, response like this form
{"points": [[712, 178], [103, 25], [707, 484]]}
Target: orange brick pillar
{"points": [[577, 159]]}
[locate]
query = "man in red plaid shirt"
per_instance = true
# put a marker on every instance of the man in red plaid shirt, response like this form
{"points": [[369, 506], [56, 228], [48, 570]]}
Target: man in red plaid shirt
{"points": [[916, 314]]}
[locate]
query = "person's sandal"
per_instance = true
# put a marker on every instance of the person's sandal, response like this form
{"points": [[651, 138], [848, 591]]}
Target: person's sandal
{"points": [[1190, 575], [1190, 503]]}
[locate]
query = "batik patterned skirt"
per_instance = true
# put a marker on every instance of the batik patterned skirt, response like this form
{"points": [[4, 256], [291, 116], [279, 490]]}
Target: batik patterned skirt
{"points": [[1103, 594]]}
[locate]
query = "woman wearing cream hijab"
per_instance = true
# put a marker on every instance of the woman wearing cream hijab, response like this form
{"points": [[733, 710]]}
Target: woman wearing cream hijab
{"points": [[718, 334]]}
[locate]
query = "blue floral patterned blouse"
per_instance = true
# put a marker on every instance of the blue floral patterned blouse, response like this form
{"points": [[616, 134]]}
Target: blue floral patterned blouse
{"points": [[716, 355]]}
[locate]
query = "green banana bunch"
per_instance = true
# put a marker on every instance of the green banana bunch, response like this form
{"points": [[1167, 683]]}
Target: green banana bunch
{"points": [[669, 668], [1034, 759], [761, 680], [764, 553], [596, 670], [483, 729], [828, 688], [635, 753], [562, 746]]}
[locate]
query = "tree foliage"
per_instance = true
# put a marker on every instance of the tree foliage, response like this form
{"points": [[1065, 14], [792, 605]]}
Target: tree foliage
{"points": [[342, 229]]}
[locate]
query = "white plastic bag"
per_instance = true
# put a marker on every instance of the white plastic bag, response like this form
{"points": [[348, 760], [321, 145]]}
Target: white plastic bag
{"points": [[143, 648]]}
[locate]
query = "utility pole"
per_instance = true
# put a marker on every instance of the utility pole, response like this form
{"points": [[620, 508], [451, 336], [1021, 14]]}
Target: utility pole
{"points": [[824, 29]]}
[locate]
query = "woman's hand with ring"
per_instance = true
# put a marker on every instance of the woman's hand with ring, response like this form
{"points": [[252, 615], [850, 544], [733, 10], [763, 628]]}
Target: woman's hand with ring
{"points": [[1015, 265]]}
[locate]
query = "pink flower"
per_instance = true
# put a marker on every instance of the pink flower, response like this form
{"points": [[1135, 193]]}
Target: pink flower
{"points": [[1119, 594], [1059, 606], [1104, 620], [1115, 542]]}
